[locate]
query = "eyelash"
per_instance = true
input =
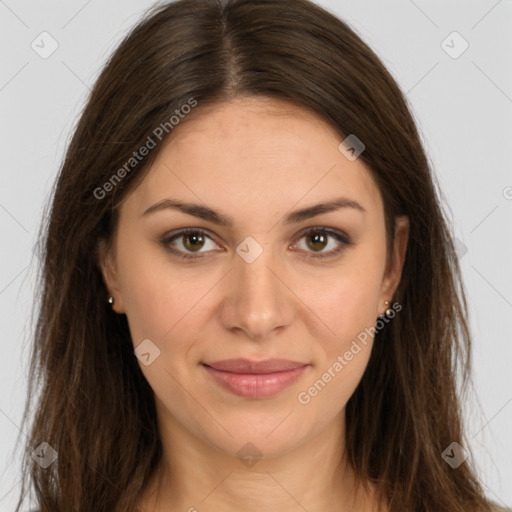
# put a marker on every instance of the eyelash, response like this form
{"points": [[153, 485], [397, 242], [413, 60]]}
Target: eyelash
{"points": [[339, 236]]}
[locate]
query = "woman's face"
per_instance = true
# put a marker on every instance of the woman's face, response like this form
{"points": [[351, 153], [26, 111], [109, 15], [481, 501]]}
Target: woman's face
{"points": [[253, 174]]}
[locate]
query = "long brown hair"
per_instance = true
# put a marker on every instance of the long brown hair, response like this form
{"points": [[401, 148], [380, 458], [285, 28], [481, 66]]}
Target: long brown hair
{"points": [[94, 407]]}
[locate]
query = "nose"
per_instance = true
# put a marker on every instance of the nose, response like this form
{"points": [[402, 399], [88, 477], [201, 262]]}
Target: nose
{"points": [[258, 302]]}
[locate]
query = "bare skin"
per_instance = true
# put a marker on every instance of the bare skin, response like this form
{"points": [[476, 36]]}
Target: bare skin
{"points": [[254, 160]]}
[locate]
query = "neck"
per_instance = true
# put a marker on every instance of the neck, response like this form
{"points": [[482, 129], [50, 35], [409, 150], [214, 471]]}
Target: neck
{"points": [[195, 477]]}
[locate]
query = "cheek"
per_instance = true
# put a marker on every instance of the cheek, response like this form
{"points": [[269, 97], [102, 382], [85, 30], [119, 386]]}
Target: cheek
{"points": [[163, 302], [343, 354], [353, 304], [347, 299], [153, 300], [348, 303]]}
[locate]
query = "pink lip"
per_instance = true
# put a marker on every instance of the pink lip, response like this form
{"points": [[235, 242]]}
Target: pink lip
{"points": [[253, 379]]}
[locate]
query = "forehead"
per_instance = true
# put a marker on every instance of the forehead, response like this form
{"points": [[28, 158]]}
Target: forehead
{"points": [[266, 153]]}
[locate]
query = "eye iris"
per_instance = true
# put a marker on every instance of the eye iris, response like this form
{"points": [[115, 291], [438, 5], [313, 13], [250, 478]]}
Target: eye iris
{"points": [[192, 239], [317, 238]]}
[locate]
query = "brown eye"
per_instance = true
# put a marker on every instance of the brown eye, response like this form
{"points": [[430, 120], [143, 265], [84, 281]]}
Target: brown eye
{"points": [[193, 241], [187, 242], [318, 239]]}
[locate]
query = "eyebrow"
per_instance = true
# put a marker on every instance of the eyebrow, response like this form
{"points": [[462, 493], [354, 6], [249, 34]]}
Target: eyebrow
{"points": [[209, 214]]}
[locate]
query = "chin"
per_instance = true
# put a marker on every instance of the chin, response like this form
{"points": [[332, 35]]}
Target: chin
{"points": [[259, 433]]}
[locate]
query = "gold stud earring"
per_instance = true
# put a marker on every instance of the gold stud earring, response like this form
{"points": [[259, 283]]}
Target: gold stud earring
{"points": [[389, 311]]}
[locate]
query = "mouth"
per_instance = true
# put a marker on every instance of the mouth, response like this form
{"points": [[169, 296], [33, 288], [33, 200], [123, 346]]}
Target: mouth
{"points": [[255, 379]]}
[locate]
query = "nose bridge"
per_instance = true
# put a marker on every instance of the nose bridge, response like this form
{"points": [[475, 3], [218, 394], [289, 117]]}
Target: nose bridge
{"points": [[259, 302], [258, 276]]}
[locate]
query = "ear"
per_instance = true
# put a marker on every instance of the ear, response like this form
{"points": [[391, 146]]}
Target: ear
{"points": [[393, 272], [107, 265]]}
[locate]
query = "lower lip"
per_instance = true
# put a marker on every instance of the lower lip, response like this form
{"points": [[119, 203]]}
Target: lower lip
{"points": [[255, 385]]}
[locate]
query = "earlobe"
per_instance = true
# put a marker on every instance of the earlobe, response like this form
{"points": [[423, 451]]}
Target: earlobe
{"points": [[109, 272]]}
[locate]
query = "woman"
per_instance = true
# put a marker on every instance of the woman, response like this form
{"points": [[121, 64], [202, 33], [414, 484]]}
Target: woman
{"points": [[250, 295]]}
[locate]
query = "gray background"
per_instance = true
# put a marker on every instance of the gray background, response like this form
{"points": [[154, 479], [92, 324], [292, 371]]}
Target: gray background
{"points": [[463, 107]]}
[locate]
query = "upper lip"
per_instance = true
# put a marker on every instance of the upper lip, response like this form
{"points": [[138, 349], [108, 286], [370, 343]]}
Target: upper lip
{"points": [[248, 366]]}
